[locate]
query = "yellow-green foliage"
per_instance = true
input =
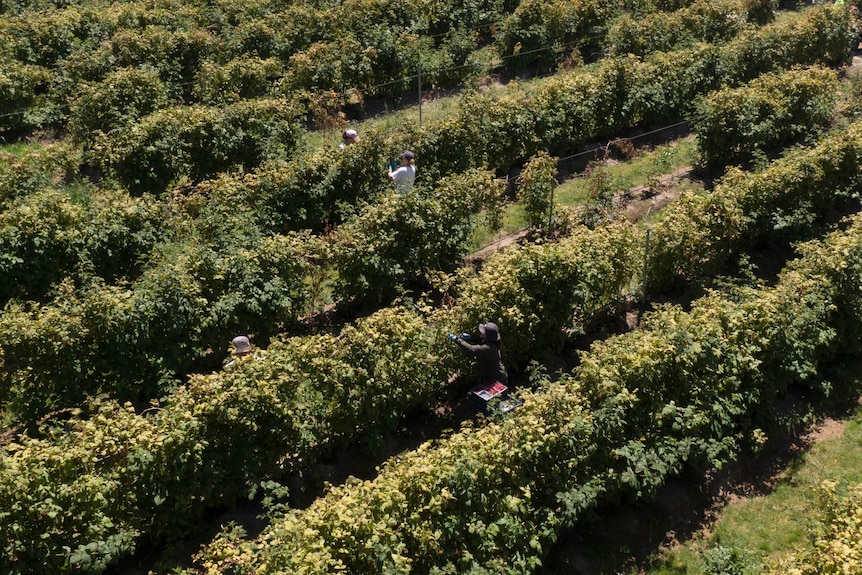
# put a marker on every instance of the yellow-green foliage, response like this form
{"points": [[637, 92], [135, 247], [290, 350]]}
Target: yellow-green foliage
{"points": [[733, 124], [537, 291], [431, 505], [538, 180], [701, 234], [836, 546], [684, 386], [231, 270], [702, 21]]}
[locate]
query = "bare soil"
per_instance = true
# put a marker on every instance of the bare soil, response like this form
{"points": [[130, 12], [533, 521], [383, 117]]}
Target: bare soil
{"points": [[639, 202]]}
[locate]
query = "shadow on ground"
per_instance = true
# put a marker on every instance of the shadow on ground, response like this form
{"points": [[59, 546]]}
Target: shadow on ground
{"points": [[630, 537]]}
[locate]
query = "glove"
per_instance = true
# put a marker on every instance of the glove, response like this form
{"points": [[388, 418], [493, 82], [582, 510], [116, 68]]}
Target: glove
{"points": [[452, 336], [392, 165], [465, 336]]}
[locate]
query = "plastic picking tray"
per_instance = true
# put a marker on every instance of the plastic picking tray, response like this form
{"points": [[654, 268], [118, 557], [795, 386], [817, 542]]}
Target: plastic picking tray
{"points": [[482, 394]]}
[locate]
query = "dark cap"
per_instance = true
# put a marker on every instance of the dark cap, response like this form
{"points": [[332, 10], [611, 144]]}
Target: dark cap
{"points": [[408, 155]]}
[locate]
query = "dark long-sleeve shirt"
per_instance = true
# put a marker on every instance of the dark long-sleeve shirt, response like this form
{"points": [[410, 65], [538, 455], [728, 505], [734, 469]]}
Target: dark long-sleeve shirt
{"points": [[488, 357]]}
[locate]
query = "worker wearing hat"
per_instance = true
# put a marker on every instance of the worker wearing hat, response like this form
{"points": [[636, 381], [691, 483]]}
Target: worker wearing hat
{"points": [[347, 137], [405, 175], [486, 352], [242, 349]]}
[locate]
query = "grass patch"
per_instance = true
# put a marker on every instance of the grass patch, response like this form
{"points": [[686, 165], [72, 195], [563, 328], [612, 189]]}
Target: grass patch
{"points": [[760, 530], [17, 149], [642, 170], [514, 220]]}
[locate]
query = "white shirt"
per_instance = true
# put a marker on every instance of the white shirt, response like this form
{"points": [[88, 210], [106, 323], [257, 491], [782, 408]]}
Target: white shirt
{"points": [[238, 358], [404, 178]]}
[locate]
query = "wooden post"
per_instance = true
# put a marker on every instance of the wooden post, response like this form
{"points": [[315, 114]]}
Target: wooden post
{"points": [[419, 75]]}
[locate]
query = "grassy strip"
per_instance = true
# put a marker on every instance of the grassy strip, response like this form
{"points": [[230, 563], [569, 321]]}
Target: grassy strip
{"points": [[765, 534]]}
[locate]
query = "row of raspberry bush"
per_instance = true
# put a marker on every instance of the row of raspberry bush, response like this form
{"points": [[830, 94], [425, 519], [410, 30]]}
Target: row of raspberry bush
{"points": [[46, 236], [134, 339], [501, 128], [200, 141], [770, 111], [263, 398], [113, 475], [219, 53], [231, 280], [226, 227], [70, 63], [686, 386]]}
